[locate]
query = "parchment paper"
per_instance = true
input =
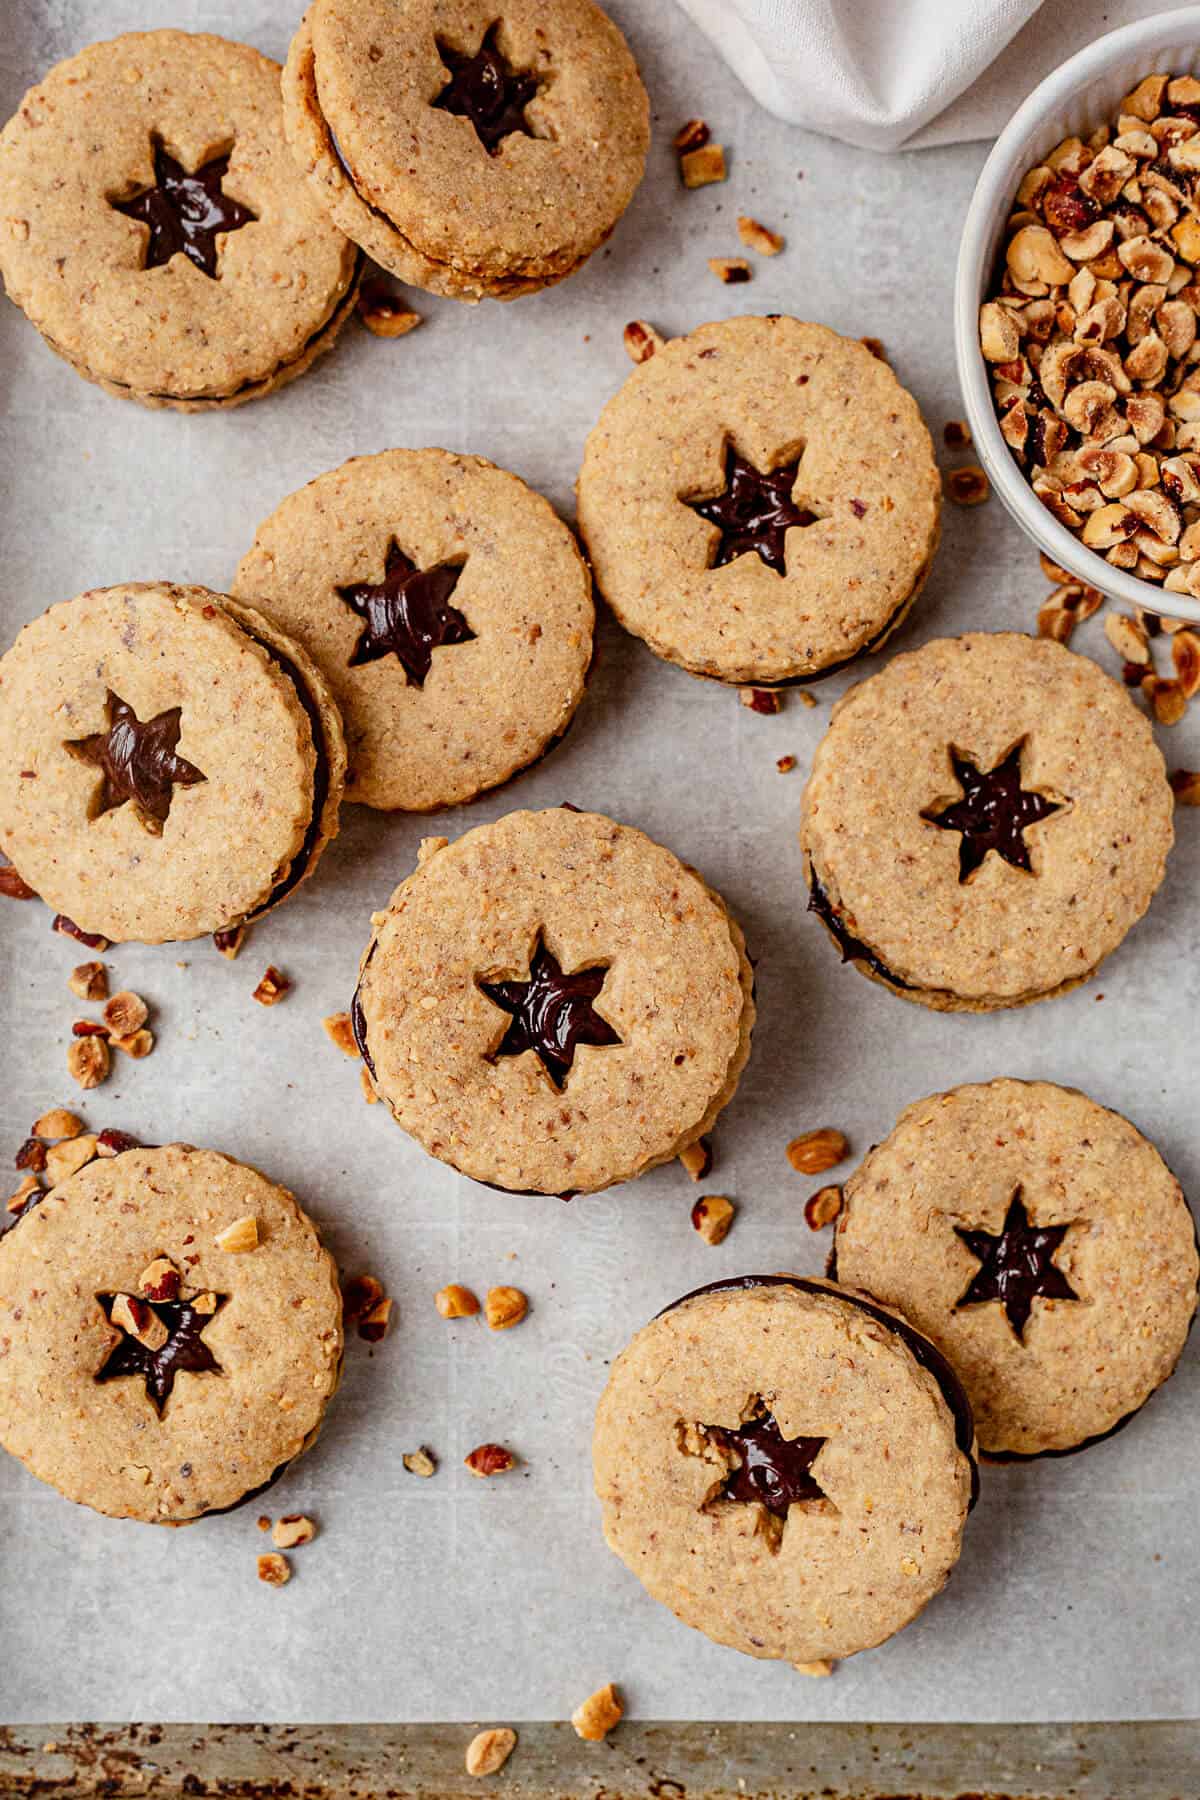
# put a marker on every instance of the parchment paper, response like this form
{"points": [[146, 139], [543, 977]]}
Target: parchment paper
{"points": [[454, 1598]]}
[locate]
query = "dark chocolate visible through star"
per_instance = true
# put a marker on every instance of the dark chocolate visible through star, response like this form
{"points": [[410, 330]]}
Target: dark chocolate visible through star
{"points": [[551, 1013], [407, 614], [185, 213], [138, 761], [994, 812], [183, 1351], [487, 90], [755, 511], [773, 1470], [1016, 1265]]}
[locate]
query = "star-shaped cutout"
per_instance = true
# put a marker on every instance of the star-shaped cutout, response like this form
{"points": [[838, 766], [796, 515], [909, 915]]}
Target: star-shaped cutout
{"points": [[185, 212], [551, 1013], [138, 761], [994, 812], [407, 615], [755, 512], [487, 90], [772, 1471], [169, 1341], [1016, 1266]]}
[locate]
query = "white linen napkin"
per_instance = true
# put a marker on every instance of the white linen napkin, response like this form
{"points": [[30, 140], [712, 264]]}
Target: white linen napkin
{"points": [[903, 74]]}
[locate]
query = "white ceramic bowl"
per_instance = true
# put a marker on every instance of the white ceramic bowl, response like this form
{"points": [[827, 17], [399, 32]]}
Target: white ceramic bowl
{"points": [[1083, 93]]}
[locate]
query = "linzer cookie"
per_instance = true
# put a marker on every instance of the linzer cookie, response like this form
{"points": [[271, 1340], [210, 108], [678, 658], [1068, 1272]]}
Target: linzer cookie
{"points": [[760, 501], [474, 153], [1044, 1246], [554, 1003], [985, 821], [450, 611], [171, 763], [172, 1334], [785, 1464], [154, 227]]}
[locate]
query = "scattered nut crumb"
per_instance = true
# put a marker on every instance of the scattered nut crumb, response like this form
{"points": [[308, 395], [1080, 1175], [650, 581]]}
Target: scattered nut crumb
{"points": [[373, 1326], [420, 1462], [293, 1530], [785, 764], [595, 1718], [263, 1522], [230, 940], [32, 1155], [490, 1750], [490, 1459], [1186, 786], [89, 981], [712, 1216], [1128, 637], [805, 698], [822, 1667], [274, 1569], [70, 1155], [272, 987], [385, 314], [702, 166], [57, 1123], [822, 1208], [956, 434], [730, 269], [88, 1061], [239, 1237], [761, 700], [504, 1307], [758, 237], [160, 1280], [641, 340], [692, 136], [815, 1151], [697, 1159], [339, 1028], [456, 1302], [359, 1295], [969, 486], [136, 1045], [125, 1013]]}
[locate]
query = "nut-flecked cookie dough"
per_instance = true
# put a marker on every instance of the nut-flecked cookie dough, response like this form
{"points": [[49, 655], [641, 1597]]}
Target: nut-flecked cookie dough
{"points": [[1044, 1246], [474, 154], [157, 1365], [554, 1003], [171, 763], [786, 1465], [760, 501], [986, 819], [449, 608], [154, 228]]}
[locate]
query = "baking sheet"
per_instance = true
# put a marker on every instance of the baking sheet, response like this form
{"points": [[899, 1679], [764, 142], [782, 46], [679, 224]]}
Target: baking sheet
{"points": [[452, 1598]]}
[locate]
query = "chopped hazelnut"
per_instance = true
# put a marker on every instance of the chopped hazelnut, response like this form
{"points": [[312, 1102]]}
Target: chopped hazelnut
{"points": [[359, 1295], [692, 136], [712, 1215], [272, 987], [89, 981], [230, 940], [641, 340], [504, 1307], [385, 314], [160, 1280], [968, 487], [28, 1186], [239, 1237], [490, 1750], [595, 1718], [758, 237], [12, 886], [1185, 654], [1185, 784], [373, 1326], [785, 764], [57, 1123], [31, 1155], [66, 1158], [702, 166], [365, 1082], [456, 1302], [139, 1320], [274, 1569], [730, 269], [420, 1462], [489, 1459], [697, 1159], [1128, 637], [137, 1045], [822, 1208], [340, 1030], [956, 434], [125, 1013], [205, 1304], [761, 700], [115, 1143], [293, 1530], [263, 1522], [815, 1151], [88, 1061], [823, 1666], [68, 928], [1167, 699]]}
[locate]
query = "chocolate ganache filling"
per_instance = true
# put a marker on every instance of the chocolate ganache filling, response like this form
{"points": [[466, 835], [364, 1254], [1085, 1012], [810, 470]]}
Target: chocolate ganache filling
{"points": [[853, 948], [300, 863]]}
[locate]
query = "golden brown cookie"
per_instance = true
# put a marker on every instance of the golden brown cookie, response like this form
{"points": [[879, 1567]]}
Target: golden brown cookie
{"points": [[1044, 1246], [986, 819], [554, 1003], [449, 608], [760, 501], [472, 154], [785, 1464], [150, 1369], [154, 228], [171, 763]]}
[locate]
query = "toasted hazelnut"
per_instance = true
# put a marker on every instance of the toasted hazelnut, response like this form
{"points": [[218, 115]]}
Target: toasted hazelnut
{"points": [[489, 1459], [785, 764], [340, 1030], [1185, 784], [373, 1326], [137, 1045], [385, 314], [761, 700], [1057, 622], [359, 1294], [1185, 654], [420, 1462], [956, 434], [125, 1013], [28, 1186], [730, 269], [115, 1143], [456, 1302], [12, 886], [697, 1159], [815, 1151], [68, 928], [490, 1750], [239, 1237], [66, 1158], [968, 487], [205, 1304], [1127, 637], [695, 134], [822, 1208], [998, 336], [1033, 256], [641, 340], [272, 987], [139, 1320], [595, 1718], [274, 1569], [1167, 699], [758, 237], [160, 1280], [57, 1123], [504, 1307], [702, 166], [293, 1530], [88, 1061], [712, 1216], [31, 1155], [89, 981], [230, 940]]}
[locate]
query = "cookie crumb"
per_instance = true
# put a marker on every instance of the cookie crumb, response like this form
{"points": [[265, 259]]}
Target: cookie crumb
{"points": [[490, 1750], [88, 1061], [712, 1215], [969, 486], [456, 1302], [697, 1159], [420, 1462], [385, 314], [89, 981], [815, 1151], [504, 1307], [240, 1237], [274, 1569], [489, 1459], [641, 340], [292, 1530], [595, 1718], [340, 1030], [758, 237], [822, 1208], [730, 269], [785, 764], [272, 987], [761, 700], [704, 165]]}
